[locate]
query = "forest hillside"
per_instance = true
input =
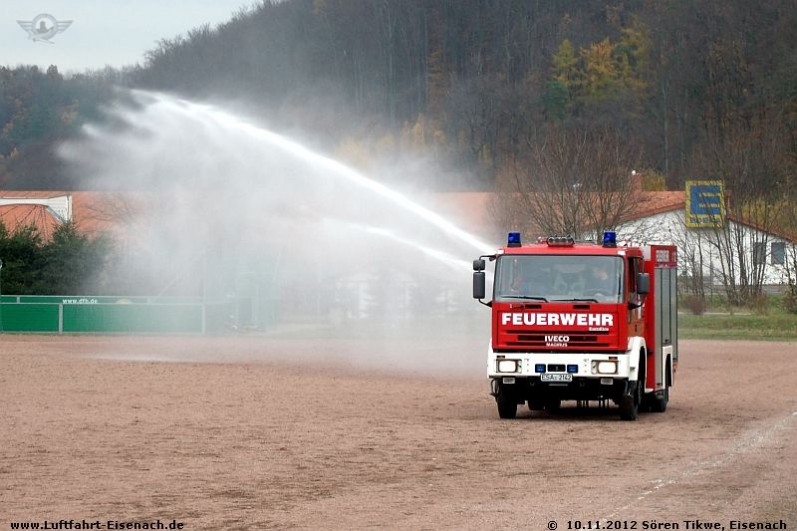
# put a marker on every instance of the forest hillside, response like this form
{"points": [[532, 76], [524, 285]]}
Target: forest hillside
{"points": [[476, 85]]}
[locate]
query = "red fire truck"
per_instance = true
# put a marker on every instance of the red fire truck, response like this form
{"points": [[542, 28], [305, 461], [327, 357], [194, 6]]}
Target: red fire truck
{"points": [[581, 321]]}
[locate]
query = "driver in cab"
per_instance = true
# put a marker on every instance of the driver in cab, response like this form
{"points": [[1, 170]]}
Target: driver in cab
{"points": [[598, 280], [527, 280]]}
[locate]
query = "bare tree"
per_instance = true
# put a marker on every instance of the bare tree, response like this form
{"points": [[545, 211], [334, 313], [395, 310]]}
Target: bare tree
{"points": [[575, 182], [790, 270], [696, 259], [753, 159]]}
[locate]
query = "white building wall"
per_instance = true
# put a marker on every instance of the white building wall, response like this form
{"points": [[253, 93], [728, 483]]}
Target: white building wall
{"points": [[703, 246]]}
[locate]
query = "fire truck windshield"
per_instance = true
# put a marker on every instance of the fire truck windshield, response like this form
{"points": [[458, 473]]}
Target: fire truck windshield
{"points": [[551, 278]]}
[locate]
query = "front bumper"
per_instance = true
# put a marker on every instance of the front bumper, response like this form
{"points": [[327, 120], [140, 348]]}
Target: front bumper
{"points": [[591, 376], [538, 392], [580, 365]]}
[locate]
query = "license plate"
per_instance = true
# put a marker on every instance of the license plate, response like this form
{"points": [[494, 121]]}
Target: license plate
{"points": [[553, 377]]}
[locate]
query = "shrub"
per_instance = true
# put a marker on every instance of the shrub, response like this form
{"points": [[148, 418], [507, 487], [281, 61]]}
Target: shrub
{"points": [[759, 303], [790, 299], [695, 304]]}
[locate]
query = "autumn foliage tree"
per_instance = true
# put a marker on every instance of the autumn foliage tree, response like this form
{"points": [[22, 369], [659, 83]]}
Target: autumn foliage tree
{"points": [[488, 76]]}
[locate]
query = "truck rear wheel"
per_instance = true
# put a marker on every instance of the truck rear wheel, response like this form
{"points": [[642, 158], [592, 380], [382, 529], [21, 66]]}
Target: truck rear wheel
{"points": [[658, 403], [507, 405]]}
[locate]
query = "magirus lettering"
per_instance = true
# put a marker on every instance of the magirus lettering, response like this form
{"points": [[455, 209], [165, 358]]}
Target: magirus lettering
{"points": [[557, 319]]}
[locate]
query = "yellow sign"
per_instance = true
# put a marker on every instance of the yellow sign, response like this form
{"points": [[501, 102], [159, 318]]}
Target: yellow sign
{"points": [[705, 204]]}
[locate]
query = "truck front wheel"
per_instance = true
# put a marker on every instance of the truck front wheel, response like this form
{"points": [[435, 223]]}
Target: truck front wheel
{"points": [[507, 405], [629, 402]]}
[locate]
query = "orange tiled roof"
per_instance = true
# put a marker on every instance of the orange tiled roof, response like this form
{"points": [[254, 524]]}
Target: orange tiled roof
{"points": [[97, 212], [472, 208], [92, 212], [652, 203], [39, 216]]}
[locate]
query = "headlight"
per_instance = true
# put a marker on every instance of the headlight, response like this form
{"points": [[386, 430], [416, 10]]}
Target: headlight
{"points": [[606, 367], [507, 366]]}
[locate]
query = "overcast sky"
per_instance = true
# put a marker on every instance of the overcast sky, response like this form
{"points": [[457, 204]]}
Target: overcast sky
{"points": [[103, 32]]}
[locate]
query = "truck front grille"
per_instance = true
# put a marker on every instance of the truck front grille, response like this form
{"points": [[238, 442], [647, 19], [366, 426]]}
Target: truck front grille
{"points": [[526, 339]]}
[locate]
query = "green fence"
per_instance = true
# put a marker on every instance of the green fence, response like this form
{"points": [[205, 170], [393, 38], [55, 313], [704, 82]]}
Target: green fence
{"points": [[64, 315]]}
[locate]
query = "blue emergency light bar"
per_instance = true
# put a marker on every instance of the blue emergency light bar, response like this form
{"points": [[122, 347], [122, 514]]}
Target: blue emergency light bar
{"points": [[513, 239], [610, 238]]}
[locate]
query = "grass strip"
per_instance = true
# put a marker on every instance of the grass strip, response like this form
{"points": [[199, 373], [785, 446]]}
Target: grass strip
{"points": [[777, 327]]}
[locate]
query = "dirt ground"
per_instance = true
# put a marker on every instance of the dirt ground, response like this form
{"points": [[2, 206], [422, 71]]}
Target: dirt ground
{"points": [[263, 432]]}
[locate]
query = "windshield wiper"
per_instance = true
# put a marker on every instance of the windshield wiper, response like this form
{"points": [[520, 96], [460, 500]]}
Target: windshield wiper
{"points": [[525, 297], [575, 300]]}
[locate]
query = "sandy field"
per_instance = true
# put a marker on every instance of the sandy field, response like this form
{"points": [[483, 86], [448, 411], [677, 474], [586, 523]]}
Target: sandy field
{"points": [[277, 433]]}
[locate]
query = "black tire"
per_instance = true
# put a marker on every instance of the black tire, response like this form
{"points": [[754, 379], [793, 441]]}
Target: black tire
{"points": [[629, 403], [658, 403], [659, 400], [507, 405]]}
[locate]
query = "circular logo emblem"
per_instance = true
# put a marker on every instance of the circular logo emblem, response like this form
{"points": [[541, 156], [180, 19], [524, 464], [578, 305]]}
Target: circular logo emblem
{"points": [[44, 26]]}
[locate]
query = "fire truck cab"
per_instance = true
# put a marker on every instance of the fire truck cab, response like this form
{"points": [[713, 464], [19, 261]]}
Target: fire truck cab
{"points": [[581, 321]]}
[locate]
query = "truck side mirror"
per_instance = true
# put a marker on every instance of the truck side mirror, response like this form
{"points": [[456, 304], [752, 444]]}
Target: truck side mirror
{"points": [[479, 285], [643, 283], [478, 264]]}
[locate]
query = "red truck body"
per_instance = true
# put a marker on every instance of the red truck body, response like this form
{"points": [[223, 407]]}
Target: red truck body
{"points": [[582, 321]]}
